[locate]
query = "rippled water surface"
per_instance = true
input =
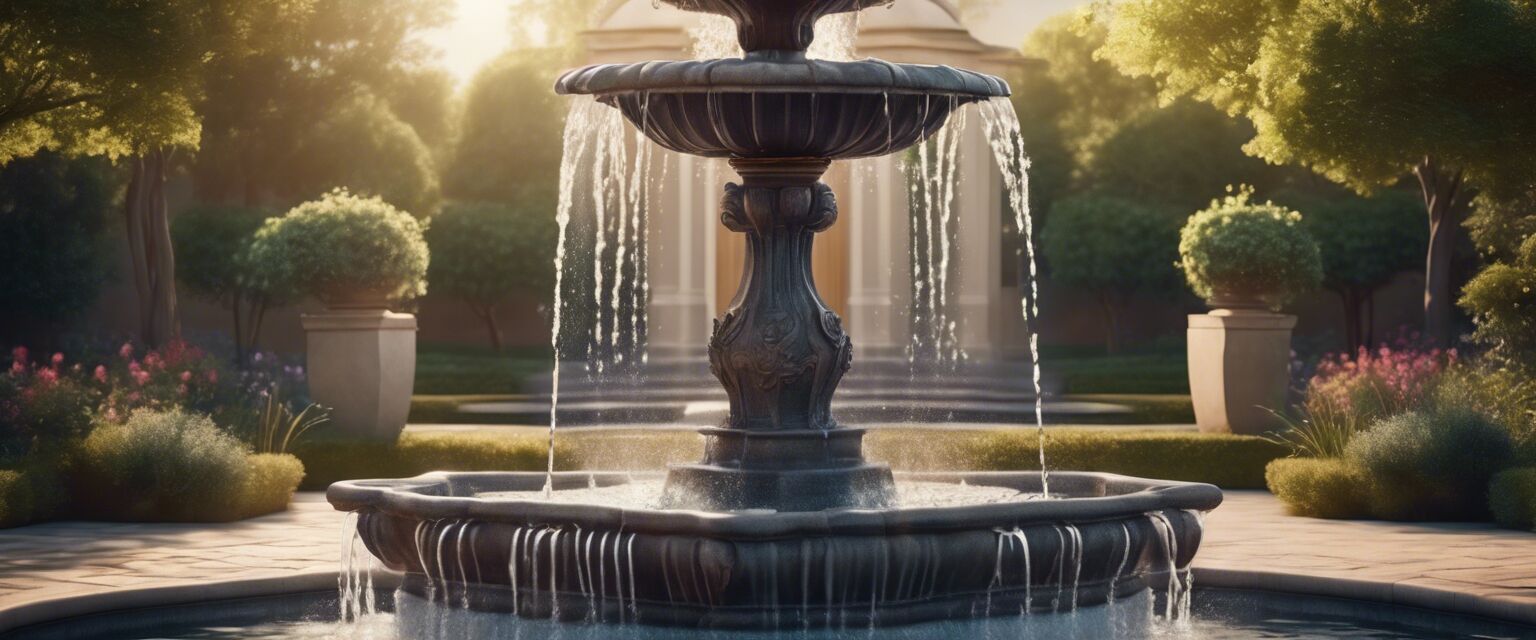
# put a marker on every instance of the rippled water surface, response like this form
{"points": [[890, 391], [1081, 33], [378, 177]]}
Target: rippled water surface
{"points": [[1219, 615], [647, 494]]}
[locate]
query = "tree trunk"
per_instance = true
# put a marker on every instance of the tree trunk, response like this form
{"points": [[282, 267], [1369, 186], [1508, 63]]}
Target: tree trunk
{"points": [[487, 313], [1352, 335], [149, 247], [258, 314], [1446, 206], [1111, 323], [239, 337]]}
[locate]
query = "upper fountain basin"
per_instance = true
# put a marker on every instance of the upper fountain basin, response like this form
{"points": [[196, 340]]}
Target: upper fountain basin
{"points": [[786, 25], [768, 106]]}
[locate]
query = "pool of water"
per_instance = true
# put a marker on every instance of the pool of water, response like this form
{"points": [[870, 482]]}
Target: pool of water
{"points": [[1217, 615]]}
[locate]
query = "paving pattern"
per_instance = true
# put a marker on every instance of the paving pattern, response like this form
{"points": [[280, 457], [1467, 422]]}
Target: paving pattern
{"points": [[71, 568]]}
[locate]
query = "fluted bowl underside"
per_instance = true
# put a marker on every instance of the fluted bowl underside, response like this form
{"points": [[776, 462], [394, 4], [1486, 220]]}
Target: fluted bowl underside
{"points": [[766, 108], [1114, 536]]}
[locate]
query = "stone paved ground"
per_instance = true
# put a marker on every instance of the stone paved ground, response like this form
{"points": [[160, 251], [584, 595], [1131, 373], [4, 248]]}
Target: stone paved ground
{"points": [[71, 568]]}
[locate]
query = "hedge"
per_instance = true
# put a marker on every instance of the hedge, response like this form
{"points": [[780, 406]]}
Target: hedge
{"points": [[329, 461], [1319, 487], [1228, 461], [1512, 498]]}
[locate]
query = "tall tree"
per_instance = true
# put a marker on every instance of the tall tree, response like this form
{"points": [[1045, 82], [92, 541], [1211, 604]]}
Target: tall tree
{"points": [[275, 92], [1362, 91], [115, 79], [509, 142]]}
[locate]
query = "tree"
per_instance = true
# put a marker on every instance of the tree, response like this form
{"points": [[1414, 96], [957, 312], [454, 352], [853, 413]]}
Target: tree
{"points": [[1364, 243], [211, 244], [1499, 224], [1500, 301], [53, 258], [281, 85], [1114, 248], [1362, 91], [1096, 97], [485, 253], [115, 79], [1182, 156], [510, 132]]}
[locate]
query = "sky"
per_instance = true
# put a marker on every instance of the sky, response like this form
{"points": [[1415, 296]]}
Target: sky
{"points": [[481, 29]]}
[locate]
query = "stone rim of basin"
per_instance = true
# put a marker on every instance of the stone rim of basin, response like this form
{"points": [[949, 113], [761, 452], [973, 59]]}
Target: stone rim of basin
{"points": [[454, 495]]}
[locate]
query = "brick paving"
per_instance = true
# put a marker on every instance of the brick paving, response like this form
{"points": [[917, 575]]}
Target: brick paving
{"points": [[71, 568]]}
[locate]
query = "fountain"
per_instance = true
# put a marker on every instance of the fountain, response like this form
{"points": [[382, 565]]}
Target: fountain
{"points": [[783, 523]]}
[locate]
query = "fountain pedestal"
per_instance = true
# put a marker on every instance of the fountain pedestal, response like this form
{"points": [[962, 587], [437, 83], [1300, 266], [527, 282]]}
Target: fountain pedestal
{"points": [[779, 351]]}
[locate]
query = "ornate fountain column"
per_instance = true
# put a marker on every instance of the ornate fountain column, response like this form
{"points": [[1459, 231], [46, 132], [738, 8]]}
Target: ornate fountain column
{"points": [[779, 351]]}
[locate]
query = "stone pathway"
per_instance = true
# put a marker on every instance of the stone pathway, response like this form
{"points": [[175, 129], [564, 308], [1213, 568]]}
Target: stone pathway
{"points": [[63, 569]]}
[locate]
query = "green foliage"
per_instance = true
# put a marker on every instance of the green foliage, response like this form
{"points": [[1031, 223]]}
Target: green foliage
{"points": [[279, 427], [509, 142], [1512, 498], [486, 253], [211, 242], [267, 489], [53, 254], [30, 493], [1182, 155], [1236, 247], [1506, 395], [305, 95], [94, 78], [362, 145], [1106, 243], [1323, 431], [1503, 305], [329, 461], [1311, 76], [170, 466], [42, 407], [1096, 97], [1318, 488], [1231, 462], [343, 244], [1365, 241], [1433, 464], [1498, 225]]}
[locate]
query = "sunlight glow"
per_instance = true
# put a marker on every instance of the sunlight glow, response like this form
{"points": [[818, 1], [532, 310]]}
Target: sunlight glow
{"points": [[480, 30]]}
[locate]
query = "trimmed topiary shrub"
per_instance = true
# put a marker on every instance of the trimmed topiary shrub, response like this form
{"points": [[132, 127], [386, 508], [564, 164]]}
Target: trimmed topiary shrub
{"points": [[1228, 461], [342, 245], [487, 253], [1512, 498], [1318, 487], [1238, 249], [173, 466], [1433, 464], [328, 461]]}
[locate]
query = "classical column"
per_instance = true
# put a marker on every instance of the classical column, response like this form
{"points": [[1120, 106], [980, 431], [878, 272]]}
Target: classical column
{"points": [[677, 237], [879, 272], [779, 351], [978, 245]]}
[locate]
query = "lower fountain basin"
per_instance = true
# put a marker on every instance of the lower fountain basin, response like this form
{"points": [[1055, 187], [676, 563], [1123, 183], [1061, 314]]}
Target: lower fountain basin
{"points": [[458, 542]]}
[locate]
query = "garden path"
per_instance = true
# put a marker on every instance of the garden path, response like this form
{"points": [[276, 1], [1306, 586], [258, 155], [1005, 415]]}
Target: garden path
{"points": [[74, 568]]}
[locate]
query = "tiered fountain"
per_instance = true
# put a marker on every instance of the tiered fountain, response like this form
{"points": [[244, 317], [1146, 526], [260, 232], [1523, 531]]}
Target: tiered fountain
{"points": [[783, 522]]}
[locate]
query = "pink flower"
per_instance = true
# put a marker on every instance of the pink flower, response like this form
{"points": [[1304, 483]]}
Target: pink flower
{"points": [[17, 368], [134, 397], [100, 374], [153, 361], [47, 376], [141, 377], [19, 354], [213, 375], [58, 359], [186, 376], [126, 351]]}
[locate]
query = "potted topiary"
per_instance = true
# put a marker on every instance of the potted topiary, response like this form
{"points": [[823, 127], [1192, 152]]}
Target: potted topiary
{"points": [[1246, 260], [357, 255]]}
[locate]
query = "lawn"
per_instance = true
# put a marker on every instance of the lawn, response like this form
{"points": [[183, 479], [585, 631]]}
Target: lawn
{"points": [[1089, 371], [467, 370]]}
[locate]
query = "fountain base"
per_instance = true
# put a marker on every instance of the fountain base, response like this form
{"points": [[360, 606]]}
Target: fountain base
{"points": [[462, 541], [791, 470]]}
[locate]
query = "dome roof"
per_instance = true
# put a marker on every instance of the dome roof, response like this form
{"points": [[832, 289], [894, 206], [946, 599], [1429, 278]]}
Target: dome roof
{"points": [[902, 14]]}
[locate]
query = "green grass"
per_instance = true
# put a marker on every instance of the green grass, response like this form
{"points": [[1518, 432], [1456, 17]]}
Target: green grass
{"points": [[1089, 371], [461, 370], [1228, 461], [444, 409]]}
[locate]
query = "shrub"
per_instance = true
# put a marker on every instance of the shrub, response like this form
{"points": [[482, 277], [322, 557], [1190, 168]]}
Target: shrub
{"points": [[328, 461], [1347, 393], [342, 244], [1113, 248], [1431, 465], [268, 486], [485, 253], [1505, 395], [29, 494], [1236, 248], [1501, 302], [212, 259], [41, 406], [1512, 498], [1318, 488], [54, 214], [1228, 461], [160, 466]]}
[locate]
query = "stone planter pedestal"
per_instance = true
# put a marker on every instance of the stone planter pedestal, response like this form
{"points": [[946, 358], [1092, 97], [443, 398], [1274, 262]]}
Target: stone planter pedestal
{"points": [[362, 365], [1239, 364]]}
